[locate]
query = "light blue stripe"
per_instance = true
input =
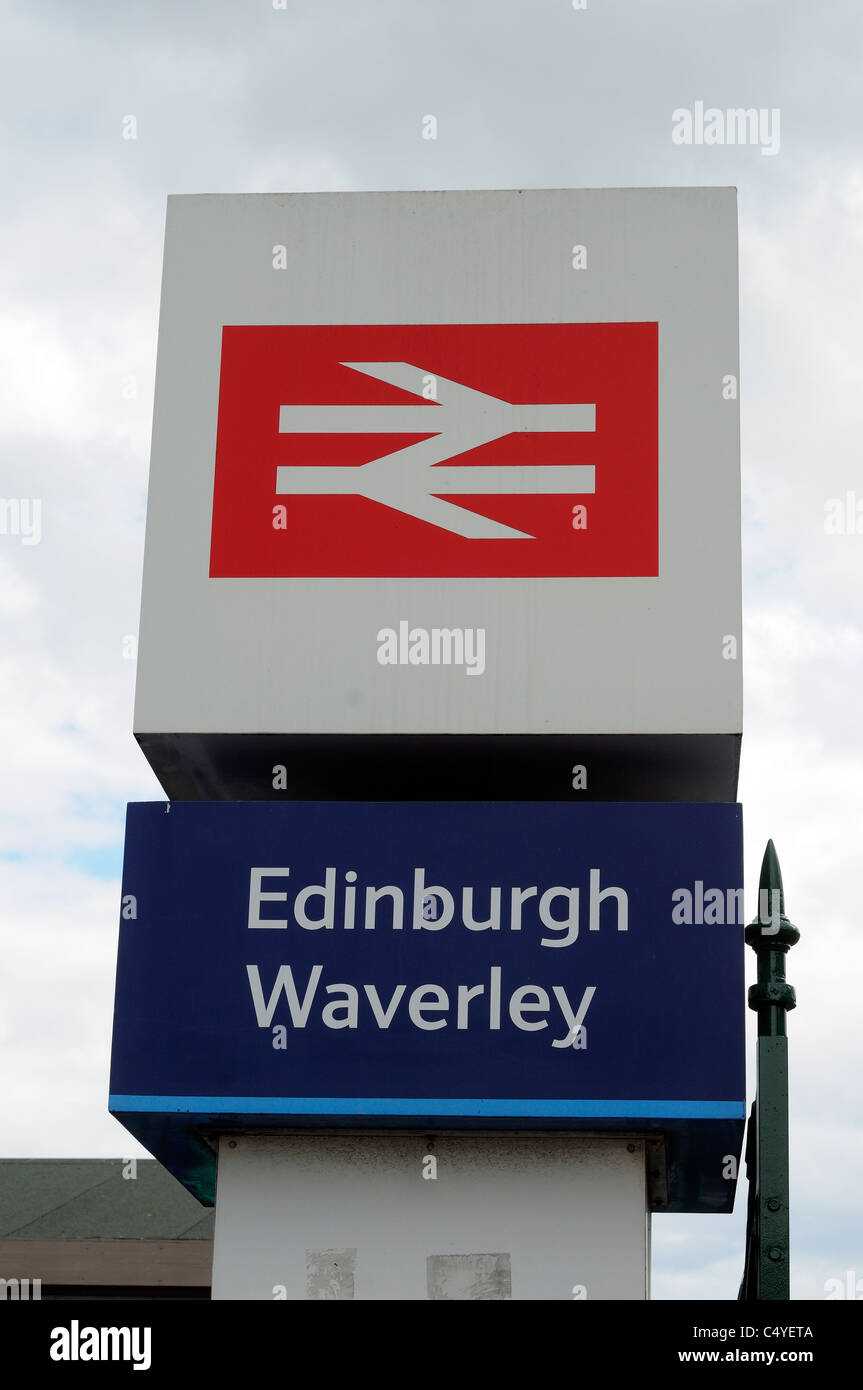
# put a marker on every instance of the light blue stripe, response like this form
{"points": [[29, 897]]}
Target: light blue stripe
{"points": [[376, 1105]]}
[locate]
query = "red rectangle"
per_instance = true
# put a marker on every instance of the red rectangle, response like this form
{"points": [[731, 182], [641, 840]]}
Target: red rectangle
{"points": [[414, 528]]}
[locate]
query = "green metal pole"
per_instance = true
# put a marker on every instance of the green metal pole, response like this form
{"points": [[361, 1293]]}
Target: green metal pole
{"points": [[771, 936]]}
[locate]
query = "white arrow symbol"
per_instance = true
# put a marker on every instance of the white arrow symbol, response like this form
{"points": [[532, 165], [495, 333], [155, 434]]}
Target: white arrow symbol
{"points": [[408, 480]]}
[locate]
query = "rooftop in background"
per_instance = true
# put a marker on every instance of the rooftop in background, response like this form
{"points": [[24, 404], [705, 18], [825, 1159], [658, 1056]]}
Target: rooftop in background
{"points": [[90, 1198], [101, 1228]]}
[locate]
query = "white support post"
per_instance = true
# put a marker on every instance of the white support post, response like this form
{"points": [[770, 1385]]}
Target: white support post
{"points": [[414, 1216]]}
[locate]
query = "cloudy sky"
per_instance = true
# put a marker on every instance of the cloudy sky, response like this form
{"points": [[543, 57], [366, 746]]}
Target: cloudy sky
{"points": [[241, 96]]}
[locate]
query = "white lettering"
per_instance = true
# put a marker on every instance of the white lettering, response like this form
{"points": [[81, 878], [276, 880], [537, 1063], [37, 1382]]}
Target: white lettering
{"points": [[256, 897], [284, 981]]}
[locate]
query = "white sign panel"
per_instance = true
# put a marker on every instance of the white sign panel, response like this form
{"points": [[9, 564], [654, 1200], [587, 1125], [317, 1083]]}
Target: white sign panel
{"points": [[441, 466]]}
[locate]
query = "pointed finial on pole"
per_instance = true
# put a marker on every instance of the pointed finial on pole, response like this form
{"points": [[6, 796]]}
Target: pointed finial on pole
{"points": [[771, 935], [771, 877]]}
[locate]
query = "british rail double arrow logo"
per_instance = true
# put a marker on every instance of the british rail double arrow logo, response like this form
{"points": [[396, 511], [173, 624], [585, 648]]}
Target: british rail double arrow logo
{"points": [[414, 479], [478, 450]]}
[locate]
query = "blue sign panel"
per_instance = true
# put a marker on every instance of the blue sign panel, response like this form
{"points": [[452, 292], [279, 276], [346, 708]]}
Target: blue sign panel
{"points": [[483, 965]]}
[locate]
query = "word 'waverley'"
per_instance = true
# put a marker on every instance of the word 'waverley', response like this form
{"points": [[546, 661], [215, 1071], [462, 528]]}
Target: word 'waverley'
{"points": [[428, 1007]]}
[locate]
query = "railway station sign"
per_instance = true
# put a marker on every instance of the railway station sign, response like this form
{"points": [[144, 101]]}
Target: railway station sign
{"points": [[434, 965]]}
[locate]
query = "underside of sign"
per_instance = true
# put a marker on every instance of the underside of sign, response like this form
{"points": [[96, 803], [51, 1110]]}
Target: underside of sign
{"points": [[446, 767], [430, 469]]}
